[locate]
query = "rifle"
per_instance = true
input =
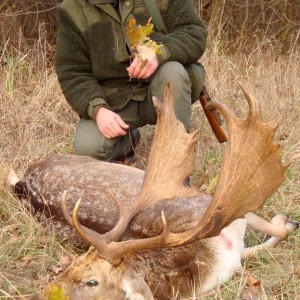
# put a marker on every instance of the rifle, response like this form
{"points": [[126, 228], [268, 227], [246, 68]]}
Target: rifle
{"points": [[213, 117]]}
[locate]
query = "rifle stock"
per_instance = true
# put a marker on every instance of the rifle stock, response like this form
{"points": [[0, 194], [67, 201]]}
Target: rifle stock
{"points": [[213, 117]]}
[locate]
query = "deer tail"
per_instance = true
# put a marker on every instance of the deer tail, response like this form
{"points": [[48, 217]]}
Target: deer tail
{"points": [[18, 186]]}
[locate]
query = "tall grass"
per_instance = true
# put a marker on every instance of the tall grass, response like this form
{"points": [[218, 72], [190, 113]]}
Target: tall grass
{"points": [[36, 121]]}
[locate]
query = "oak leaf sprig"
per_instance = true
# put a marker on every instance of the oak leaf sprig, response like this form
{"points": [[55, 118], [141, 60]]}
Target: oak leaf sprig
{"points": [[140, 42]]}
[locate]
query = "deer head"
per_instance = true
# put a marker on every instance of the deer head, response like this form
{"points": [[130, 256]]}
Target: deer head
{"points": [[91, 277], [251, 171]]}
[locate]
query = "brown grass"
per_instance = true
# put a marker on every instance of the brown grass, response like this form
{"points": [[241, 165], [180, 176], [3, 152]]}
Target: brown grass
{"points": [[36, 121]]}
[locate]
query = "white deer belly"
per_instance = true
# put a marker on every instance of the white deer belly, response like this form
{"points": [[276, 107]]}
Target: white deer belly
{"points": [[227, 249]]}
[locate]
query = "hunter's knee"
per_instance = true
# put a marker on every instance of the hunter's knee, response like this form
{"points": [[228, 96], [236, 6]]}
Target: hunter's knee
{"points": [[89, 141], [175, 73]]}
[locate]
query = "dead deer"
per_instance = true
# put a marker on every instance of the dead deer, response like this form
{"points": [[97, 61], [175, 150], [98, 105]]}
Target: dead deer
{"points": [[153, 237]]}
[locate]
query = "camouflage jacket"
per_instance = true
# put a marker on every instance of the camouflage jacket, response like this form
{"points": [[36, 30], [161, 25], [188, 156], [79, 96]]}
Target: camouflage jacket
{"points": [[93, 51]]}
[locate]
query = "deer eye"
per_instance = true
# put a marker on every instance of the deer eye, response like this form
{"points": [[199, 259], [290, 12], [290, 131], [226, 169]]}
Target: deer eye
{"points": [[92, 283]]}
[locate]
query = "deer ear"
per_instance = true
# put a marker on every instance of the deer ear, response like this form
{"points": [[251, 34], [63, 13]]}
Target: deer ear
{"points": [[136, 288]]}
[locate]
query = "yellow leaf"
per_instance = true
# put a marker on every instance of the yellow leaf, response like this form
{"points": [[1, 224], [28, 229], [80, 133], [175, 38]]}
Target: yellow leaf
{"points": [[154, 46], [212, 184], [253, 281], [145, 52], [140, 40], [55, 293]]}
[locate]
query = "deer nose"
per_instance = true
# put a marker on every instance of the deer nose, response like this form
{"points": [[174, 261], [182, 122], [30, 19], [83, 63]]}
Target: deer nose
{"points": [[295, 224]]}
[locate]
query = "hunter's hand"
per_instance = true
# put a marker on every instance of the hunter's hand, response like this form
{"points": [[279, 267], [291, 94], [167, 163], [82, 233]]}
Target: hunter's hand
{"points": [[110, 124], [142, 69]]}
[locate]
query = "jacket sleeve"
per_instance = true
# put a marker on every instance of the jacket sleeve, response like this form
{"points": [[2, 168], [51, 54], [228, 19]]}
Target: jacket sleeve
{"points": [[74, 68], [186, 38]]}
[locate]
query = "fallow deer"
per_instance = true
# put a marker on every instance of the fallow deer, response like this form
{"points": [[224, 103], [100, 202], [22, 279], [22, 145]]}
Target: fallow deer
{"points": [[153, 237]]}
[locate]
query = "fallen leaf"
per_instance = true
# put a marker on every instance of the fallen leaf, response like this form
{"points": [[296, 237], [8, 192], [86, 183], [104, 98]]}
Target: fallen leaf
{"points": [[253, 281], [24, 262], [64, 260], [27, 258]]}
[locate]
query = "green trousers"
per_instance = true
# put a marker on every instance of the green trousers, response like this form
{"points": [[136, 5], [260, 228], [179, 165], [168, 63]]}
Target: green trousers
{"points": [[186, 83]]}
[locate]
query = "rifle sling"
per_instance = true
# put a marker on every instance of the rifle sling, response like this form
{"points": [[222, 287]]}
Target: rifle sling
{"points": [[154, 12]]}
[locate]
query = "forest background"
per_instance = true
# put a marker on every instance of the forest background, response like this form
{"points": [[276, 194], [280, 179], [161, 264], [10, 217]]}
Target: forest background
{"points": [[255, 42]]}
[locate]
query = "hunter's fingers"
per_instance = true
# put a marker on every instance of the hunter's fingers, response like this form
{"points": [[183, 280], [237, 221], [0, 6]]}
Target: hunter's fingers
{"points": [[133, 67], [121, 123]]}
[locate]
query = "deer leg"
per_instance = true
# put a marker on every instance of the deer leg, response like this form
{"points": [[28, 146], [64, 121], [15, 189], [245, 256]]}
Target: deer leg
{"points": [[279, 229]]}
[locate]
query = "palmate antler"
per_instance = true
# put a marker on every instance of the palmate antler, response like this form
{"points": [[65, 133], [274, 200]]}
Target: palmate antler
{"points": [[251, 171]]}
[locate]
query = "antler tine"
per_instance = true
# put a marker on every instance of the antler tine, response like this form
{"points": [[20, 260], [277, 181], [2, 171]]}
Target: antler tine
{"points": [[99, 241], [81, 230], [255, 111], [64, 208], [254, 108]]}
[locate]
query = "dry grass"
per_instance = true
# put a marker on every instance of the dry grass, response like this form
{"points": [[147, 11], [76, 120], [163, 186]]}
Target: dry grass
{"points": [[36, 121]]}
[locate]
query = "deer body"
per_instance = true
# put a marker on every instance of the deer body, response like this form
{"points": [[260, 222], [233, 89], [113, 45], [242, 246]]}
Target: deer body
{"points": [[207, 263], [152, 236]]}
